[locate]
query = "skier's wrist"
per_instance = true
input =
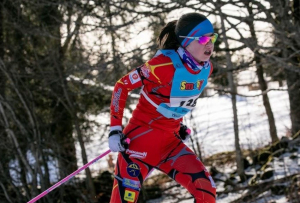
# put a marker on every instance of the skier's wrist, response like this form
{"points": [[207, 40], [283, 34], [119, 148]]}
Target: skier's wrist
{"points": [[116, 127]]}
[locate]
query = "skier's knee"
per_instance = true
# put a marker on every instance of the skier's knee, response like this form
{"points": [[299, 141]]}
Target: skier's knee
{"points": [[202, 187]]}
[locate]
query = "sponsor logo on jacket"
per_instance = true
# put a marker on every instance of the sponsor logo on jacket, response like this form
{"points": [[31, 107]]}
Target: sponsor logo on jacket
{"points": [[116, 99], [184, 85], [135, 154], [133, 169], [129, 196], [134, 77], [133, 184]]}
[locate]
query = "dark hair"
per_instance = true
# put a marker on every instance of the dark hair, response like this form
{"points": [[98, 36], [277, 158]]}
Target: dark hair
{"points": [[168, 37]]}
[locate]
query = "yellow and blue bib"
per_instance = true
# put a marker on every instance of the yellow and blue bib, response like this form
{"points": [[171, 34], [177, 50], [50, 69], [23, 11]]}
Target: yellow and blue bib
{"points": [[186, 88]]}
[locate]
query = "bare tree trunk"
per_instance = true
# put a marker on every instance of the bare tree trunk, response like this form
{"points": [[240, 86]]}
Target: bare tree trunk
{"points": [[293, 78], [2, 85], [266, 102], [90, 183], [260, 76], [72, 111], [117, 71], [239, 154], [5, 192], [11, 133], [2, 77], [293, 84], [9, 181], [71, 107], [287, 32]]}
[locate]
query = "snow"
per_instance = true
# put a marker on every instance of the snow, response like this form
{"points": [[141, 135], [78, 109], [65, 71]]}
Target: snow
{"points": [[268, 197], [285, 165], [214, 121]]}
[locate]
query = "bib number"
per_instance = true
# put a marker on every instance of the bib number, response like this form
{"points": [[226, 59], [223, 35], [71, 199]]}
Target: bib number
{"points": [[189, 103]]}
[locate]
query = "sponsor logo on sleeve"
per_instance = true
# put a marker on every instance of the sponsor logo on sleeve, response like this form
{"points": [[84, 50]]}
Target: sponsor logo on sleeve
{"points": [[134, 77], [116, 99]]}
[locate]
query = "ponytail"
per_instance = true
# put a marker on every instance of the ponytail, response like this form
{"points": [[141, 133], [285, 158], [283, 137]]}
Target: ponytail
{"points": [[167, 38]]}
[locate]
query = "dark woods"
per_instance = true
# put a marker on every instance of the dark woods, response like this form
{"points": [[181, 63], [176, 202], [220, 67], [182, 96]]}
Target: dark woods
{"points": [[58, 57]]}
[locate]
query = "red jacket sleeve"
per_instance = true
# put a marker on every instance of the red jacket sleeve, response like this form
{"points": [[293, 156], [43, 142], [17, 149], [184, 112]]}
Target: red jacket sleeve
{"points": [[134, 79], [156, 71], [119, 96]]}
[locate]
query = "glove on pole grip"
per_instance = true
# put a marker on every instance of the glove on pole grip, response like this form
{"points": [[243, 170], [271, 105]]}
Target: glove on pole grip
{"points": [[125, 142]]}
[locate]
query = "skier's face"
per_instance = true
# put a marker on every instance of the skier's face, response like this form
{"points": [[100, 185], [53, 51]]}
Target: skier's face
{"points": [[201, 52]]}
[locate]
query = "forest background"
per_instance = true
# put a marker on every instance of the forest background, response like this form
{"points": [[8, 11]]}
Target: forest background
{"points": [[60, 58]]}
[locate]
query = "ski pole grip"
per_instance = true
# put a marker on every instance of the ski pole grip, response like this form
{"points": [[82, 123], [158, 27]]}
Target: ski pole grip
{"points": [[188, 131], [125, 142]]}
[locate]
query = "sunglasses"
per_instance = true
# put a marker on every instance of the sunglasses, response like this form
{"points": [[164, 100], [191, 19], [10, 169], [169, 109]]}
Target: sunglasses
{"points": [[204, 39]]}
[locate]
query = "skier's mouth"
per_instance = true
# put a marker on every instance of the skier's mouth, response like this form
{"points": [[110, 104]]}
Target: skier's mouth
{"points": [[208, 52]]}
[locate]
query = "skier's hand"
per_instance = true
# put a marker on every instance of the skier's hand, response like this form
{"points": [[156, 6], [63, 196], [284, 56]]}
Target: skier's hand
{"points": [[184, 132], [116, 141]]}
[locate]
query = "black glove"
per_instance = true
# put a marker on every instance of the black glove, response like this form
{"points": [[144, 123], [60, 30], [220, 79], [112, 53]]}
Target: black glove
{"points": [[184, 132]]}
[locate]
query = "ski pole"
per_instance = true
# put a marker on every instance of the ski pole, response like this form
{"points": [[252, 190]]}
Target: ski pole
{"points": [[127, 140]]}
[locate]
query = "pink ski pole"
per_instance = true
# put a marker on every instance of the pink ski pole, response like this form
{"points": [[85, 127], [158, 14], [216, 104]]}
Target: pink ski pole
{"points": [[67, 178], [127, 140]]}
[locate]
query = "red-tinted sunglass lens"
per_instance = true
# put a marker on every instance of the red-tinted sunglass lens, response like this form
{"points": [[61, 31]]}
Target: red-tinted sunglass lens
{"points": [[204, 39]]}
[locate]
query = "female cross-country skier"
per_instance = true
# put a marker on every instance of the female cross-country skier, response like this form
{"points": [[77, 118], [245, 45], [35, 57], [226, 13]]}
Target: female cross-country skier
{"points": [[171, 83]]}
